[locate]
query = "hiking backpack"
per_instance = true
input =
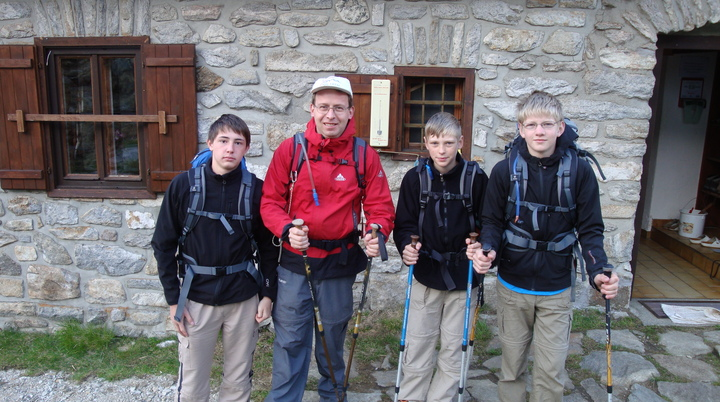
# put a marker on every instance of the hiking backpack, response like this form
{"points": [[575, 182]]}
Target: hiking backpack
{"points": [[566, 183], [196, 178], [470, 170], [299, 154]]}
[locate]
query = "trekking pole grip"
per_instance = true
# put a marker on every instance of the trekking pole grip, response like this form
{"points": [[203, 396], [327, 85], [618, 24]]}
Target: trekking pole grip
{"points": [[607, 270], [473, 237], [298, 223], [414, 239], [375, 227]]}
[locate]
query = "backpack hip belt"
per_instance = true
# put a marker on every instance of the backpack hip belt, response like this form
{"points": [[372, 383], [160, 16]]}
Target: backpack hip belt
{"points": [[192, 269]]}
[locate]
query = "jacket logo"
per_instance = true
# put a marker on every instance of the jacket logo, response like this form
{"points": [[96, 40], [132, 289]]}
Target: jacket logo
{"points": [[380, 174], [340, 177]]}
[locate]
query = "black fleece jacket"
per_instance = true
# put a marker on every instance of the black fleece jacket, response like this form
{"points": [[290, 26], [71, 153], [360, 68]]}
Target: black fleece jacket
{"points": [[444, 233], [210, 244], [545, 270]]}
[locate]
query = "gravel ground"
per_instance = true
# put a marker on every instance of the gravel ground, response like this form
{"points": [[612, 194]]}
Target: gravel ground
{"points": [[15, 386]]}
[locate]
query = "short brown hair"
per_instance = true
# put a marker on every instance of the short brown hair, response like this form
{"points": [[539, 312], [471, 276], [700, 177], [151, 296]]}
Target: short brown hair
{"points": [[229, 122]]}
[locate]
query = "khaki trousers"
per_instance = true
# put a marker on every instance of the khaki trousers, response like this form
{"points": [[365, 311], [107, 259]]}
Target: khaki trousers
{"points": [[523, 318], [434, 314], [239, 337]]}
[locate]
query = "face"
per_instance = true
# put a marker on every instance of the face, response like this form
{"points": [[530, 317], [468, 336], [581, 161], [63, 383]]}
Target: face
{"points": [[541, 133], [443, 150], [331, 123], [228, 149]]}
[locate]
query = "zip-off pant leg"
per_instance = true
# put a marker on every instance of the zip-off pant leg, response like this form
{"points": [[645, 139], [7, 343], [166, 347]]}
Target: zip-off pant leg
{"points": [[335, 300], [293, 319], [433, 314], [519, 317], [197, 349]]}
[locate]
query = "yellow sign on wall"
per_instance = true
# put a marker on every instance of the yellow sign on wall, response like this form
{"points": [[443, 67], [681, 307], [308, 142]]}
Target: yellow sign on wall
{"points": [[379, 113]]}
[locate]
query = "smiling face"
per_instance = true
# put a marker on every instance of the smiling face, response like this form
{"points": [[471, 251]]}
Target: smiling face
{"points": [[541, 132], [331, 111], [228, 149]]}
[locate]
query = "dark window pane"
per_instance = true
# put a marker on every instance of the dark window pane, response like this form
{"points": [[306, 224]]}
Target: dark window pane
{"points": [[415, 134], [121, 84], [433, 92], [431, 110], [76, 85], [80, 148], [449, 92], [416, 116], [416, 91], [122, 156]]}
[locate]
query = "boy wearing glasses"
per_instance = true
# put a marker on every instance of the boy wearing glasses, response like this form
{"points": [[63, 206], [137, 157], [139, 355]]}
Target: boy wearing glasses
{"points": [[329, 194], [532, 236]]}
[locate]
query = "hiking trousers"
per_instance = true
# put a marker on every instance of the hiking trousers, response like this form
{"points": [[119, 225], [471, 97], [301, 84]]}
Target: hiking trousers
{"points": [[434, 314], [523, 318], [293, 317], [239, 337]]}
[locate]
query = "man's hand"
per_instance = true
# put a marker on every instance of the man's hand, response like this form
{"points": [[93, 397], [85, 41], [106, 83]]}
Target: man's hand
{"points": [[180, 326], [298, 238], [481, 262], [411, 254], [372, 246], [264, 310], [608, 286]]}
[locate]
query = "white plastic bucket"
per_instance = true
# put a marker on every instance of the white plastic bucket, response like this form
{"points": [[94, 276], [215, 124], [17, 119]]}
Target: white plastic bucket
{"points": [[692, 223]]}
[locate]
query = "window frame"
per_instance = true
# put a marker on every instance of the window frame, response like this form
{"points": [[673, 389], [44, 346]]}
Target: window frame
{"points": [[169, 116], [397, 144]]}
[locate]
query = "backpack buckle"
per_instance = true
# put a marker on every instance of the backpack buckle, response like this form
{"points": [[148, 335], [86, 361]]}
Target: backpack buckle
{"points": [[514, 177], [221, 271]]}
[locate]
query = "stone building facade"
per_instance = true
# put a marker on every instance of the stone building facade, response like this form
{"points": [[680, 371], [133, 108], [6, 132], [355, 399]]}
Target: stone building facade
{"points": [[90, 259]]}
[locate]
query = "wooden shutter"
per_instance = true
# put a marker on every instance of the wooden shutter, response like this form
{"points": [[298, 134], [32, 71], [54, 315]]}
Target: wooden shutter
{"points": [[169, 87], [362, 94], [22, 153]]}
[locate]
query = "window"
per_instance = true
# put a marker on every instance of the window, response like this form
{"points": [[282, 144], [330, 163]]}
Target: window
{"points": [[416, 93], [85, 83], [96, 117]]}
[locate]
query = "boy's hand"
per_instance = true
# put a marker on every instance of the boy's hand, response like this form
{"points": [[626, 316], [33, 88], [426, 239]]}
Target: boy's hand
{"points": [[481, 262], [608, 286], [180, 326], [298, 238], [264, 310], [411, 254], [372, 246]]}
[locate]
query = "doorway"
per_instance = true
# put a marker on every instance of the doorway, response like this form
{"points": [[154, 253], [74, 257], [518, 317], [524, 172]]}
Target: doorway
{"points": [[681, 146]]}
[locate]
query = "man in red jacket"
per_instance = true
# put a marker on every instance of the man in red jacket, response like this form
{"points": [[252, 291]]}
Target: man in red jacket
{"points": [[329, 193]]}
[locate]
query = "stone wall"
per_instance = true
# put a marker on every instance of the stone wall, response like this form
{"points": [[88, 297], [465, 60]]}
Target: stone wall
{"points": [[90, 259]]}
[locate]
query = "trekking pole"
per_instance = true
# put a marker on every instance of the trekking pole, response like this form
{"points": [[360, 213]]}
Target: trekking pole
{"points": [[375, 227], [298, 223], [465, 362], [414, 239], [607, 270]]}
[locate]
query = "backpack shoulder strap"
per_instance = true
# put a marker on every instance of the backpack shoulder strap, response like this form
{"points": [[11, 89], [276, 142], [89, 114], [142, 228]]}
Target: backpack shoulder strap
{"points": [[425, 176], [359, 156], [245, 202], [196, 179], [470, 170], [517, 166], [298, 156]]}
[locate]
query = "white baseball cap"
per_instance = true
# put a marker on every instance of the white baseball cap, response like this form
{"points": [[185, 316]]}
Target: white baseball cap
{"points": [[341, 84]]}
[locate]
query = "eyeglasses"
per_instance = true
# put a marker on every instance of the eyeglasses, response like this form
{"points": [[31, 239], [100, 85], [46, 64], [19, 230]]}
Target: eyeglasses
{"points": [[337, 109], [546, 125]]}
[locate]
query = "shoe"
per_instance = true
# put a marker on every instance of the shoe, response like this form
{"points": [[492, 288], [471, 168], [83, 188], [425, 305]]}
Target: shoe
{"points": [[672, 225], [698, 240], [714, 244]]}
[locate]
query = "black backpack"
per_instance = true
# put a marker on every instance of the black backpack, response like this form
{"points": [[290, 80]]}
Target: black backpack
{"points": [[196, 177], [470, 170], [566, 184]]}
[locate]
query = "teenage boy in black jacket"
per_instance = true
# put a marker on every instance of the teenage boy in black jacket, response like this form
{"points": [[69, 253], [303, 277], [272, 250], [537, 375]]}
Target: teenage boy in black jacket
{"points": [[226, 291], [535, 257], [438, 297]]}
